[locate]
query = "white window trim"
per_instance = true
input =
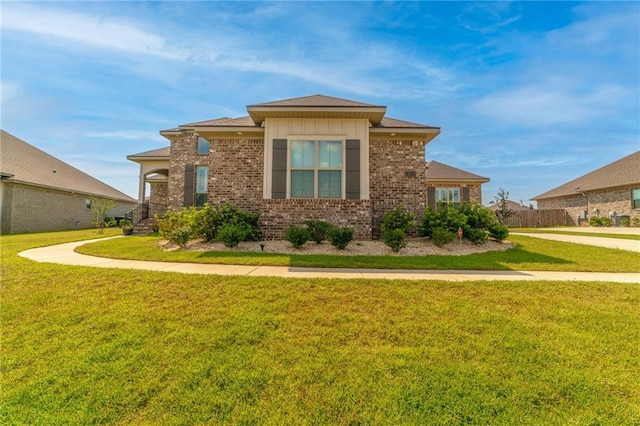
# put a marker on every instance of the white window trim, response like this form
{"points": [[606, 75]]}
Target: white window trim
{"points": [[343, 172], [449, 189]]}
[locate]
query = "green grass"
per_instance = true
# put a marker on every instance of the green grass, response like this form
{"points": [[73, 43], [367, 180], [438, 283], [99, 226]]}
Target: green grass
{"points": [[85, 345], [586, 234], [530, 254]]}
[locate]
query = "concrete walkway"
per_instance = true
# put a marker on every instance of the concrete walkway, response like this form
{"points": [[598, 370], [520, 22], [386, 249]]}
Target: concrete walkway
{"points": [[65, 254], [615, 243]]}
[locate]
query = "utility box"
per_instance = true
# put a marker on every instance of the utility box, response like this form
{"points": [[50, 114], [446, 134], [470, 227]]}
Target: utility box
{"points": [[619, 218]]}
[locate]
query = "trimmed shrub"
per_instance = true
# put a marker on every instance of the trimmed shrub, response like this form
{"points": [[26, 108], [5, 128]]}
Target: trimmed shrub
{"points": [[476, 236], [175, 223], [231, 234], [297, 236], [398, 218], [441, 236], [498, 231], [477, 216], [600, 221], [341, 237], [208, 221], [318, 230], [180, 236], [395, 238], [449, 218]]}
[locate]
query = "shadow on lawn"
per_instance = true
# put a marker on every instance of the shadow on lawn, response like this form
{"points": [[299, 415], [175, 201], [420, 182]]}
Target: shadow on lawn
{"points": [[489, 261]]}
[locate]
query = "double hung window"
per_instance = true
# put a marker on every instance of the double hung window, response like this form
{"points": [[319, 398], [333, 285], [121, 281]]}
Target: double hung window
{"points": [[448, 196], [202, 185], [636, 199], [316, 168]]}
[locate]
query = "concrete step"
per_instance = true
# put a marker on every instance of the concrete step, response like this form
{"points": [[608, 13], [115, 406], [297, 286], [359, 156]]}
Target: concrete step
{"points": [[145, 227]]}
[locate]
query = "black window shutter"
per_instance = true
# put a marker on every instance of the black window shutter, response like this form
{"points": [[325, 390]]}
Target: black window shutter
{"points": [[465, 194], [189, 187], [279, 169], [431, 197], [352, 162]]}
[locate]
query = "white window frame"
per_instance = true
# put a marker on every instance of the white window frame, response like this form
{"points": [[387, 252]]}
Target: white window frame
{"points": [[316, 139], [204, 140], [206, 186], [449, 201], [635, 202]]}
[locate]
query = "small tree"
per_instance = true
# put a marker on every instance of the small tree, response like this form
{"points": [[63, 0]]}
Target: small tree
{"points": [[502, 201], [99, 209]]}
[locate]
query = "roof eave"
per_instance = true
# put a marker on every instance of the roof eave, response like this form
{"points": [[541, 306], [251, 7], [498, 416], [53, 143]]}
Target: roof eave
{"points": [[374, 114], [461, 180]]}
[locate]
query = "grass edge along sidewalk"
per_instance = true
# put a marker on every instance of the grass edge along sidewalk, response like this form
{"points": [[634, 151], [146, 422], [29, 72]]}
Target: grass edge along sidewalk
{"points": [[530, 254]]}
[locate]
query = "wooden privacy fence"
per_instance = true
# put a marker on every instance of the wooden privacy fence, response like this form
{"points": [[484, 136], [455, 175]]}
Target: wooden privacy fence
{"points": [[536, 218]]}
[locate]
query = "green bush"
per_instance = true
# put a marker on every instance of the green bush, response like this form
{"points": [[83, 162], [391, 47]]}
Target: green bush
{"points": [[476, 236], [207, 221], [395, 238], [231, 234], [635, 221], [449, 218], [297, 236], [318, 230], [498, 231], [477, 216], [398, 218], [174, 223], [341, 237], [180, 236], [442, 236], [625, 222], [600, 221]]}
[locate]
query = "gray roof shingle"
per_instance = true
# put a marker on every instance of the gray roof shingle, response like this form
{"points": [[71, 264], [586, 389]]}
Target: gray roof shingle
{"points": [[316, 101], [437, 171], [29, 165], [623, 172]]}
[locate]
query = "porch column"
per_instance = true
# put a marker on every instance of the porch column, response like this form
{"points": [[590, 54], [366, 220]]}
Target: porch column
{"points": [[141, 186]]}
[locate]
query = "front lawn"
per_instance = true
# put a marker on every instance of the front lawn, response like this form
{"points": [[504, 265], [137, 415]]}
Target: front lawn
{"points": [[85, 345], [530, 254]]}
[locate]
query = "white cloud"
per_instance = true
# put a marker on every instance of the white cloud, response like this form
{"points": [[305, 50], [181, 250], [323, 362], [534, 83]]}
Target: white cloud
{"points": [[85, 29], [124, 134]]}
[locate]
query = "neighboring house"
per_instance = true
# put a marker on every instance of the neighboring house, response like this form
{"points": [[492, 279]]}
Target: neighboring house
{"points": [[511, 205], [38, 192], [449, 185], [610, 191], [314, 157]]}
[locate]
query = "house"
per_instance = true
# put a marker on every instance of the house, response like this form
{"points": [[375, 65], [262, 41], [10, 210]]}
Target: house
{"points": [[450, 185], [610, 191], [511, 205], [313, 157], [38, 192]]}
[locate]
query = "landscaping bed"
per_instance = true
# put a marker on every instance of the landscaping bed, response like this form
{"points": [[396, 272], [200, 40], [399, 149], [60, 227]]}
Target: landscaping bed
{"points": [[415, 247]]}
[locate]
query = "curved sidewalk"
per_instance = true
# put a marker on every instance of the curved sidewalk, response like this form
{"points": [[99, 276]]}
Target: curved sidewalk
{"points": [[614, 243], [65, 254]]}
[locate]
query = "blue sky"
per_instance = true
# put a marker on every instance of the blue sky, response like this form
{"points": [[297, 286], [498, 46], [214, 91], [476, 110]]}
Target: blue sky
{"points": [[529, 94]]}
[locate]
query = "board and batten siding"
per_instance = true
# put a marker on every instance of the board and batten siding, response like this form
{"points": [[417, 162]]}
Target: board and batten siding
{"points": [[319, 128]]}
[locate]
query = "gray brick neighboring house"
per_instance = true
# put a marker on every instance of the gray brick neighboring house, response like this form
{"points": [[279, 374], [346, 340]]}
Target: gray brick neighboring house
{"points": [[612, 190], [314, 157], [39, 193]]}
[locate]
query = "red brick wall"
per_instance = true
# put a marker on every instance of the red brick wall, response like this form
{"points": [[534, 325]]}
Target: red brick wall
{"points": [[397, 177], [236, 167], [277, 215]]}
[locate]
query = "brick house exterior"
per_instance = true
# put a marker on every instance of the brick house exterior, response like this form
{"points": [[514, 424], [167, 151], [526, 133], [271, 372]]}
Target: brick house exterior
{"points": [[610, 191], [314, 157], [40, 193]]}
